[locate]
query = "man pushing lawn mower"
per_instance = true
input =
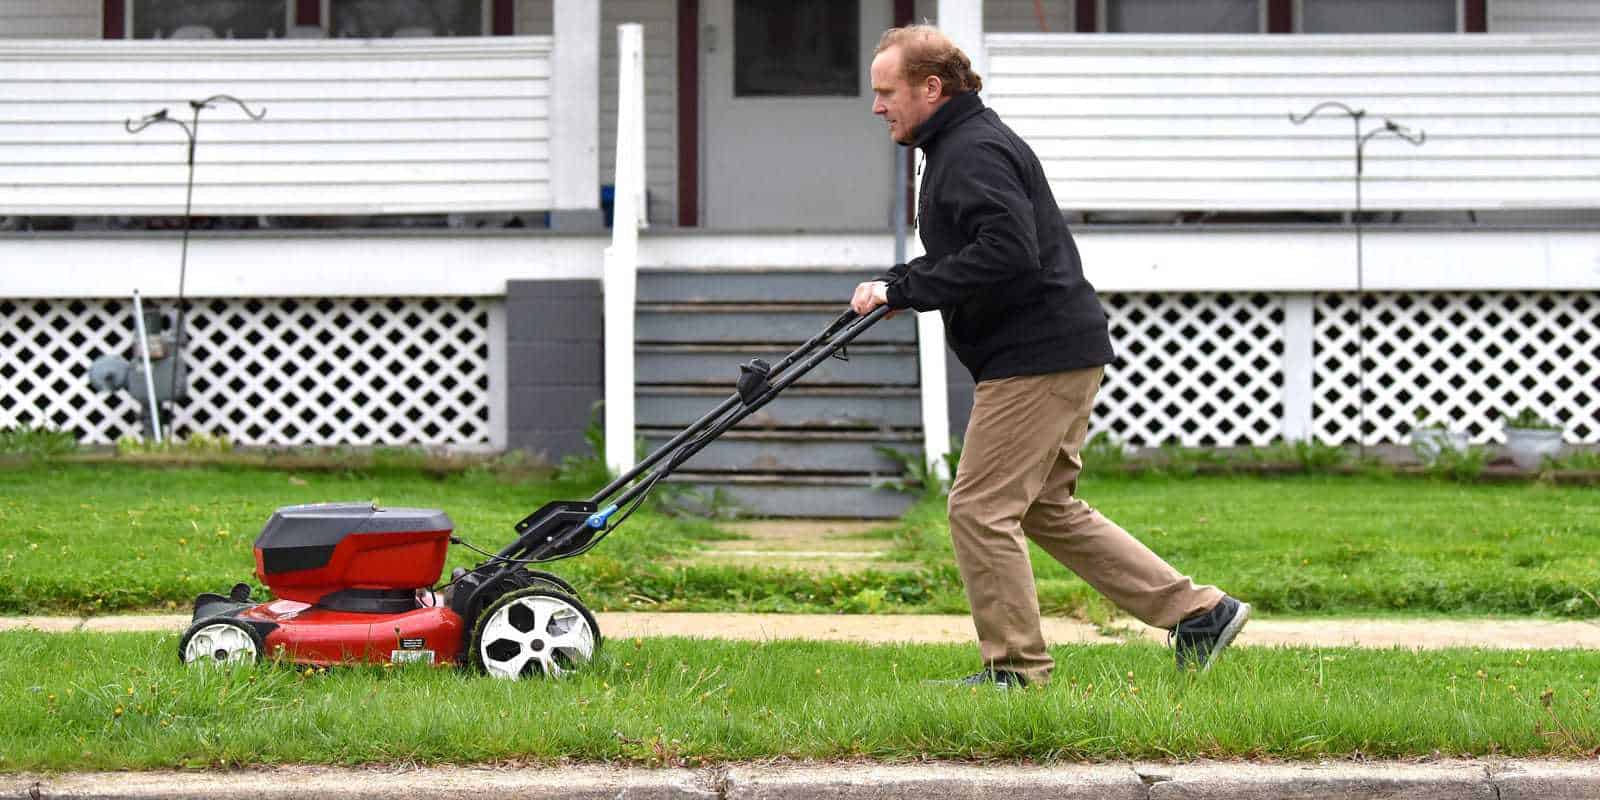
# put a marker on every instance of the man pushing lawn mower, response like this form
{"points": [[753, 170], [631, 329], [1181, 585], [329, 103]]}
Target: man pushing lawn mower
{"points": [[1003, 271]]}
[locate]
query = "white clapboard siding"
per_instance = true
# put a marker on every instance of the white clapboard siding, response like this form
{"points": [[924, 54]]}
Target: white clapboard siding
{"points": [[352, 126], [660, 21], [1202, 122], [1544, 16], [49, 19]]}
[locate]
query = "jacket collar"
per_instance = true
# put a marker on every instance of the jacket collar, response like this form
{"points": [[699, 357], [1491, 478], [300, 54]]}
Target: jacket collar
{"points": [[950, 114]]}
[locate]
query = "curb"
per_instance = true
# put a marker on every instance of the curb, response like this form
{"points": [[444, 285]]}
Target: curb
{"points": [[1491, 780]]}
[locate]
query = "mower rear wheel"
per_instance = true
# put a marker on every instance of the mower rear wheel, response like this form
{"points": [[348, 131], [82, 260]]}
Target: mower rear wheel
{"points": [[220, 640], [534, 632]]}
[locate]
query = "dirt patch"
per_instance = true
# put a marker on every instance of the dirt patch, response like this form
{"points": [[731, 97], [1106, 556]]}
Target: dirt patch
{"points": [[811, 545]]}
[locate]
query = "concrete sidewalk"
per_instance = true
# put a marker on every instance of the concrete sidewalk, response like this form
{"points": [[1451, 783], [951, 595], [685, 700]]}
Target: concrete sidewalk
{"points": [[1478, 780], [1385, 633]]}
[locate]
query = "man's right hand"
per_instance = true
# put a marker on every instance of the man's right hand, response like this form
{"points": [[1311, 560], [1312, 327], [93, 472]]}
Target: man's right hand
{"points": [[870, 295]]}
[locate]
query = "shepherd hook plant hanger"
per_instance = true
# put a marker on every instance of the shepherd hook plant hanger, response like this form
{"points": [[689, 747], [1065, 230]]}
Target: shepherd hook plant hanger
{"points": [[1393, 128], [192, 131]]}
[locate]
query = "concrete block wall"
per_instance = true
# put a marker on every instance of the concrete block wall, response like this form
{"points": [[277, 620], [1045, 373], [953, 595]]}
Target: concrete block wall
{"points": [[555, 363]]}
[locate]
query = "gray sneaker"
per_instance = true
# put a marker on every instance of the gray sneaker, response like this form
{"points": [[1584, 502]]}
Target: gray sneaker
{"points": [[1201, 638], [998, 678]]}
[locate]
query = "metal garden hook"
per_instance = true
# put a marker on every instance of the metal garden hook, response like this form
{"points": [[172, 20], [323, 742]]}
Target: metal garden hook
{"points": [[191, 131], [1397, 130]]}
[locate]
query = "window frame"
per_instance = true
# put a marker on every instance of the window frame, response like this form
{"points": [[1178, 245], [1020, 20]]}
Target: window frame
{"points": [[1102, 16], [1300, 20], [128, 12]]}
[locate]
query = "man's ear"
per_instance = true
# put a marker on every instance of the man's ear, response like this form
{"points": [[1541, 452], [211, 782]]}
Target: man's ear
{"points": [[932, 88]]}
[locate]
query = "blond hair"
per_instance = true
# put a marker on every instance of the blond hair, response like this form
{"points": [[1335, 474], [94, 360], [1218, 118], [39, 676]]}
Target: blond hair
{"points": [[925, 51]]}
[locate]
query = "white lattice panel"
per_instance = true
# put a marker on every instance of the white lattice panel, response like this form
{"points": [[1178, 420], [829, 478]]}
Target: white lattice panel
{"points": [[326, 371], [1465, 358], [1199, 369]]}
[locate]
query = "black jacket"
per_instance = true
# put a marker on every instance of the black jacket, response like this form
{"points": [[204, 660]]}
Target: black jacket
{"points": [[1000, 264]]}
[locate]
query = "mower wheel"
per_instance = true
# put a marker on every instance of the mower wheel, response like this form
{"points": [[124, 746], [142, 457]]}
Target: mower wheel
{"points": [[544, 580], [534, 632], [220, 640]]}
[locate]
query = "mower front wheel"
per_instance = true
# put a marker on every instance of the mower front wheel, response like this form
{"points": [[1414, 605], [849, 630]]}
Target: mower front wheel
{"points": [[534, 632], [220, 640]]}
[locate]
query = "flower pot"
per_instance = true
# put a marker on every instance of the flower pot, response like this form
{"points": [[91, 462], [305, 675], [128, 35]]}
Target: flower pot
{"points": [[1528, 447], [1429, 443]]}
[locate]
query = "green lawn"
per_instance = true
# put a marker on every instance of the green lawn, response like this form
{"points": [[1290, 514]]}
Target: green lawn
{"points": [[1340, 545], [114, 701], [96, 538]]}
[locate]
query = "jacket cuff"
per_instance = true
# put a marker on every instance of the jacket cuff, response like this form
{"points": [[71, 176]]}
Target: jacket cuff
{"points": [[897, 298]]}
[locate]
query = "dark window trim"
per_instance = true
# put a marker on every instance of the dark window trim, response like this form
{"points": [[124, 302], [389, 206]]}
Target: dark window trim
{"points": [[688, 113]]}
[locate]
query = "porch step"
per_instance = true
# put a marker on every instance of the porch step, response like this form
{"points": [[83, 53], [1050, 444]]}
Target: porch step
{"points": [[821, 449], [781, 452], [718, 364], [752, 323], [800, 407], [800, 495], [830, 287]]}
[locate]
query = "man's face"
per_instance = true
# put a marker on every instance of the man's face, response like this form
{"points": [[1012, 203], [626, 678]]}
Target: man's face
{"points": [[901, 104]]}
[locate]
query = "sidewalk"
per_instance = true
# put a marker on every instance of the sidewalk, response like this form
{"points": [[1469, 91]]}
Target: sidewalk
{"points": [[1385, 633], [1486, 779]]}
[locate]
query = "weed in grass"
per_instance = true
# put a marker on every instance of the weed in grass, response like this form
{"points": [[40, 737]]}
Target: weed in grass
{"points": [[1103, 451], [197, 443], [1186, 462], [915, 476], [1310, 455], [1459, 465], [39, 444], [1576, 461]]}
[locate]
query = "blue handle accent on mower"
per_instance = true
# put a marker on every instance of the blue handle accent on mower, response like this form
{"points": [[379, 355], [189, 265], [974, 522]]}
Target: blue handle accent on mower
{"points": [[597, 520]]}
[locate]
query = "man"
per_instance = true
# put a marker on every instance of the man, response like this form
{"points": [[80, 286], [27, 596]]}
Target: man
{"points": [[1004, 273]]}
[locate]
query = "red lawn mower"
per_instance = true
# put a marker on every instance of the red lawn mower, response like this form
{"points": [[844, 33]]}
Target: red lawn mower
{"points": [[355, 583]]}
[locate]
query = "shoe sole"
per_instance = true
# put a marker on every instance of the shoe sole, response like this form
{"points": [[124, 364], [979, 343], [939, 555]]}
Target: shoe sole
{"points": [[1226, 637]]}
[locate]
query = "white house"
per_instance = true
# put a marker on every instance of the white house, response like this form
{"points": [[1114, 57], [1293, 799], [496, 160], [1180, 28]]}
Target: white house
{"points": [[407, 248]]}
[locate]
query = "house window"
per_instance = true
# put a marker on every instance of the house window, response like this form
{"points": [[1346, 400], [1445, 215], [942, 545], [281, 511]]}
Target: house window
{"points": [[208, 19], [783, 48], [1378, 16], [375, 19], [1183, 16]]}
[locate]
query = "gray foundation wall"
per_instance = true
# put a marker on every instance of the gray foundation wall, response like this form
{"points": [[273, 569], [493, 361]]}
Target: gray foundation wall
{"points": [[555, 364]]}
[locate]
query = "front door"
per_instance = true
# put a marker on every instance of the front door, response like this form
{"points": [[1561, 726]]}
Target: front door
{"points": [[788, 136]]}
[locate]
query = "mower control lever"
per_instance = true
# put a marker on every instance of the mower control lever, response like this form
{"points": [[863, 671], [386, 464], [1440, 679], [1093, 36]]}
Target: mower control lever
{"points": [[753, 380]]}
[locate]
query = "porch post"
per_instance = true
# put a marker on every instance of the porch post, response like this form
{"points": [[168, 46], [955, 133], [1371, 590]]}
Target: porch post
{"points": [[962, 21], [575, 117]]}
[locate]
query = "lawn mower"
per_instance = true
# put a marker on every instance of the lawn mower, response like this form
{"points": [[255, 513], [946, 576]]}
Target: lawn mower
{"points": [[355, 582]]}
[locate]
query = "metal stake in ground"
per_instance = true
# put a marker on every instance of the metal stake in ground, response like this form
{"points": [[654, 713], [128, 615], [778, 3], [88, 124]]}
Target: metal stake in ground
{"points": [[191, 130], [1401, 131]]}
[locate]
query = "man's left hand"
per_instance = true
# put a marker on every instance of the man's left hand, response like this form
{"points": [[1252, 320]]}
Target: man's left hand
{"points": [[868, 296]]}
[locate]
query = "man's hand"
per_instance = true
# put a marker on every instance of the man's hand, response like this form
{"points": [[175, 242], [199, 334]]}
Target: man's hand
{"points": [[870, 295]]}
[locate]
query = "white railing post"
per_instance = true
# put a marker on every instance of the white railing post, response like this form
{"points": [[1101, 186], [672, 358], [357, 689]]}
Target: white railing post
{"points": [[622, 257], [931, 376]]}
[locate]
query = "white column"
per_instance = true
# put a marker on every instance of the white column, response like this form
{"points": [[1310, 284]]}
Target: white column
{"points": [[575, 116], [962, 21], [1299, 329], [622, 257], [935, 383]]}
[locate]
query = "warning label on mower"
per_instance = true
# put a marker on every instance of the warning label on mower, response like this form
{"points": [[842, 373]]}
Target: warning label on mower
{"points": [[411, 656]]}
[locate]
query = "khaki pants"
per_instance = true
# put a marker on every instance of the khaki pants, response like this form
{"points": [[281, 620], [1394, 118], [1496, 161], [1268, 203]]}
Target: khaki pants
{"points": [[1017, 476]]}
